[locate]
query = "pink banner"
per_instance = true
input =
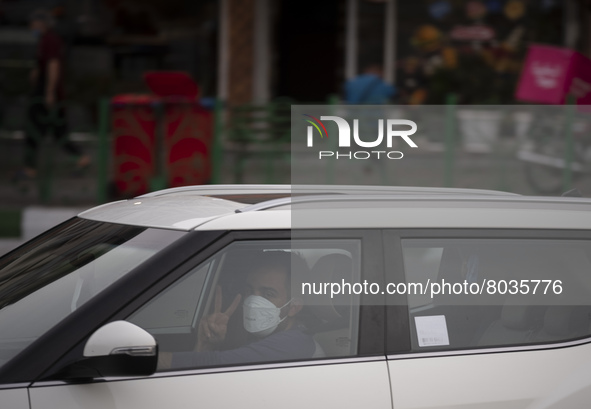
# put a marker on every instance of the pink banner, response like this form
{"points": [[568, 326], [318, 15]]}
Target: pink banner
{"points": [[550, 74]]}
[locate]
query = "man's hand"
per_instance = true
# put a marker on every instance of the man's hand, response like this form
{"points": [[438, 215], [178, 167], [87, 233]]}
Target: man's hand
{"points": [[212, 329]]}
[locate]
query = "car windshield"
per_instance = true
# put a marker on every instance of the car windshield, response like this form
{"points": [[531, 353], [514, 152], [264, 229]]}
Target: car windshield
{"points": [[48, 278]]}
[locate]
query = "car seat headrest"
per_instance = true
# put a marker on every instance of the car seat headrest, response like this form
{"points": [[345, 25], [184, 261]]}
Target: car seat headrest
{"points": [[332, 268]]}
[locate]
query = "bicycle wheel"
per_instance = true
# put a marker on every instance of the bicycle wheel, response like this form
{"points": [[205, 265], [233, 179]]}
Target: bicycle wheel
{"points": [[545, 166], [544, 157]]}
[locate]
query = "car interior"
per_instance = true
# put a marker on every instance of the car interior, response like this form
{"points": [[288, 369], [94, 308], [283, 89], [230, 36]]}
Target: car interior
{"points": [[504, 319], [173, 317]]}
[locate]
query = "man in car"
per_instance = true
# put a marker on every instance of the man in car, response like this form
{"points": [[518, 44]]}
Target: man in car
{"points": [[270, 314]]}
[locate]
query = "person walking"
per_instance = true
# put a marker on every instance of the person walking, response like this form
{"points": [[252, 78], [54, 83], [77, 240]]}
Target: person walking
{"points": [[46, 112], [369, 88]]}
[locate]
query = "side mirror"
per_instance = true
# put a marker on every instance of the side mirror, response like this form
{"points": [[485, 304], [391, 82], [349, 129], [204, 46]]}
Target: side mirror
{"points": [[118, 348]]}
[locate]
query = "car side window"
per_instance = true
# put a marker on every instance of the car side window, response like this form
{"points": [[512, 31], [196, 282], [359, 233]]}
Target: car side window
{"points": [[177, 306], [482, 293], [255, 302]]}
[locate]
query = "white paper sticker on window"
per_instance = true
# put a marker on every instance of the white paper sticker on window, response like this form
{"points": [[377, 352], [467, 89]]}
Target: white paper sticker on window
{"points": [[432, 331]]}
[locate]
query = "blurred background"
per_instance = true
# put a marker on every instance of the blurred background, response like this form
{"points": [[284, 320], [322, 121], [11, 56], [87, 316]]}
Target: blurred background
{"points": [[166, 93]]}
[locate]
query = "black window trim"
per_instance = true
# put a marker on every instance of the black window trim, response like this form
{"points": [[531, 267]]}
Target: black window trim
{"points": [[231, 369], [53, 349]]}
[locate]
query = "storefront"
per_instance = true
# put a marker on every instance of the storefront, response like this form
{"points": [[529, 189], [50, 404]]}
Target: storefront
{"points": [[244, 51]]}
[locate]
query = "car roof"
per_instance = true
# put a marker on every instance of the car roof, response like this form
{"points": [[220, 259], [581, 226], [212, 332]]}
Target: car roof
{"points": [[258, 193], [246, 207]]}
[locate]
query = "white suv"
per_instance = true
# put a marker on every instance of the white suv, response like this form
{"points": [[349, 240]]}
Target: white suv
{"points": [[297, 297]]}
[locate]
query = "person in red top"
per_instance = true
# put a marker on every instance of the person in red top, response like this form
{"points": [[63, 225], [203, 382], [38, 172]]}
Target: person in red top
{"points": [[47, 112]]}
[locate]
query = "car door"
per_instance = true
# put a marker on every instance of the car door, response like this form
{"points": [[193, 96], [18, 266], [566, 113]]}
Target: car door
{"points": [[327, 349], [512, 345], [14, 397]]}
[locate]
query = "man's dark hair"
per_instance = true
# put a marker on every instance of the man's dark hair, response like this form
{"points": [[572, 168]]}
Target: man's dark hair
{"points": [[291, 263]]}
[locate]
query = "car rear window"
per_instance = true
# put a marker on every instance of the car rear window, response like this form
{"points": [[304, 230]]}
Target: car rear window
{"points": [[480, 293]]}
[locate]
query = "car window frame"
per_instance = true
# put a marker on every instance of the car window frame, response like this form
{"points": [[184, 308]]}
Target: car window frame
{"points": [[63, 343], [371, 337], [400, 322]]}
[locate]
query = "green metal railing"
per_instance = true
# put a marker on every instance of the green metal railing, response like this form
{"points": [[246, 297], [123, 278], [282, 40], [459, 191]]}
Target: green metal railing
{"points": [[30, 147], [256, 135], [450, 141], [259, 138], [103, 150], [567, 177]]}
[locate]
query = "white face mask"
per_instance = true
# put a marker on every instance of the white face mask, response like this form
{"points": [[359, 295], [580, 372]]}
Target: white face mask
{"points": [[261, 316]]}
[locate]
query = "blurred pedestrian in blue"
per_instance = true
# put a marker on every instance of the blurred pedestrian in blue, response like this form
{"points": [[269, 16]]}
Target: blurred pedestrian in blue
{"points": [[369, 88]]}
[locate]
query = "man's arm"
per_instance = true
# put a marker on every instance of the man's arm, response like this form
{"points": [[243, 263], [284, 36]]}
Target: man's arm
{"points": [[53, 74]]}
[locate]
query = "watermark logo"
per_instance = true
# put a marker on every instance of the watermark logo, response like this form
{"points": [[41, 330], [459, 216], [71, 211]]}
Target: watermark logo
{"points": [[314, 124], [387, 129]]}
